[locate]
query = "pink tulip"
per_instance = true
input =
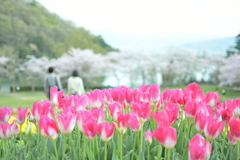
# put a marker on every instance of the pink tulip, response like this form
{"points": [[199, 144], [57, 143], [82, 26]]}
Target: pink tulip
{"points": [[198, 148], [21, 115], [41, 108], [204, 108], [14, 128], [154, 91], [235, 105], [82, 116], [192, 87], [96, 99], [142, 110], [118, 95], [98, 113], [90, 128], [144, 88], [133, 122], [48, 127], [200, 121], [69, 110], [176, 96], [54, 95], [148, 137], [107, 98], [166, 135], [5, 131], [162, 118], [66, 122], [213, 128], [198, 95], [172, 110], [212, 98], [235, 129], [144, 96], [122, 121], [5, 114], [81, 102], [191, 108], [114, 108], [231, 139], [106, 131]]}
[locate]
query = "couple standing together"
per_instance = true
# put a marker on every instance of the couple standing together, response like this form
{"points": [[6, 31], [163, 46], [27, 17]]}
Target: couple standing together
{"points": [[74, 85]]}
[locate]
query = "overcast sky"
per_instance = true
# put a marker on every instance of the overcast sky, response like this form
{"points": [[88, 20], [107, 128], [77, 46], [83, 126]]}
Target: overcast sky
{"points": [[210, 17]]}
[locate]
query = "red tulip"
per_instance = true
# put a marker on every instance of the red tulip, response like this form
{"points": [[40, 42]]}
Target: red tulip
{"points": [[198, 148], [122, 121], [227, 114], [66, 122], [114, 108], [5, 130], [148, 137], [133, 122], [5, 114], [106, 131], [48, 127], [166, 135], [142, 110], [213, 128], [90, 128], [21, 115]]}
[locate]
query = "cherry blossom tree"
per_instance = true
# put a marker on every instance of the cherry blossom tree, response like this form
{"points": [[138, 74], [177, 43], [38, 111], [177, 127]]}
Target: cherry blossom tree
{"points": [[230, 71]]}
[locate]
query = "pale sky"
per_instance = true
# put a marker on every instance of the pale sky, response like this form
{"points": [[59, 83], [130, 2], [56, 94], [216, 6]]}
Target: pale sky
{"points": [[209, 17]]}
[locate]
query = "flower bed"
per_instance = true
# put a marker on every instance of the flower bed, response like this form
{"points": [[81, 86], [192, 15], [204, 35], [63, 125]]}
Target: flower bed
{"points": [[124, 123]]}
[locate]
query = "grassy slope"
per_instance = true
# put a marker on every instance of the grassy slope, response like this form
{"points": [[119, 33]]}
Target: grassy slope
{"points": [[26, 99]]}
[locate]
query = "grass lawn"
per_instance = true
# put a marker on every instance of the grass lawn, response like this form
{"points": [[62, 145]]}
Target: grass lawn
{"points": [[21, 99], [26, 99]]}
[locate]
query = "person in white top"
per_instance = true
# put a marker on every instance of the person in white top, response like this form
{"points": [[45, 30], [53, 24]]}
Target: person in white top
{"points": [[75, 84]]}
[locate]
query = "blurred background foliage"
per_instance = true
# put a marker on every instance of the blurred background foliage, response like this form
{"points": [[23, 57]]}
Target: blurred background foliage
{"points": [[27, 28]]}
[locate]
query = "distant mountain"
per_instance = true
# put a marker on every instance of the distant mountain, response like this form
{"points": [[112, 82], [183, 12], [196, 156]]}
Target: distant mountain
{"points": [[157, 42], [217, 45]]}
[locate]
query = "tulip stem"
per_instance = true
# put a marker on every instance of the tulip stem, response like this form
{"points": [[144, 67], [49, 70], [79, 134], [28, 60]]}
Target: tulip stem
{"points": [[5, 148], [84, 148], [29, 145], [64, 146], [169, 153], [159, 151], [148, 152], [20, 132], [134, 144], [45, 148], [105, 151], [141, 137], [55, 148], [79, 142], [120, 146], [238, 154]]}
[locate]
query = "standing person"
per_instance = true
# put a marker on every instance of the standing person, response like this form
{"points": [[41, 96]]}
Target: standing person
{"points": [[75, 84], [51, 80]]}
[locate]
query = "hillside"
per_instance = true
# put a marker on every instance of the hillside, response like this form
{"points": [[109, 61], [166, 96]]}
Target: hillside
{"points": [[26, 27]]}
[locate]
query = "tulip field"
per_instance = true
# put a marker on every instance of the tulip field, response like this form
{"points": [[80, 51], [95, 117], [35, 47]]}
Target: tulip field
{"points": [[124, 124]]}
